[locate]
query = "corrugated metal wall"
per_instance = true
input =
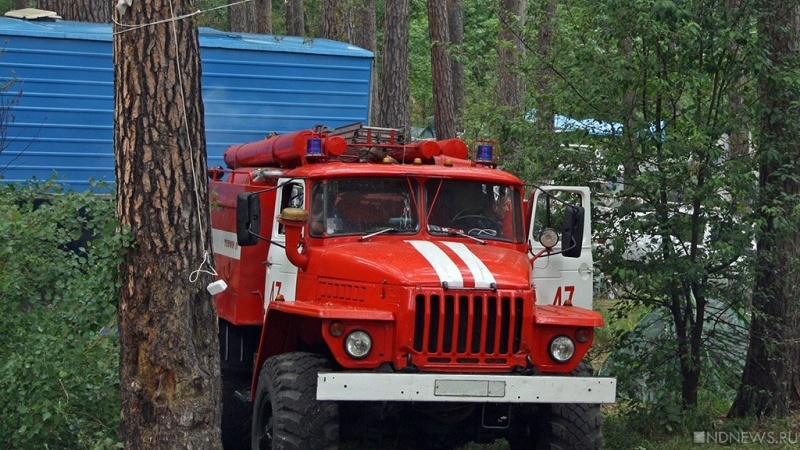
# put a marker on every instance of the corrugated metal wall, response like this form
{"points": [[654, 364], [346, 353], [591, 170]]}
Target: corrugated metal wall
{"points": [[61, 94]]}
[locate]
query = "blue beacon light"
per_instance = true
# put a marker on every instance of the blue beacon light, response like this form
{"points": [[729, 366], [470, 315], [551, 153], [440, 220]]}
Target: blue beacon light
{"points": [[484, 153], [314, 147]]}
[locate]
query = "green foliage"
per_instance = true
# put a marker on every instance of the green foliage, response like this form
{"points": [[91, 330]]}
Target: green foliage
{"points": [[58, 294], [672, 199], [669, 428]]}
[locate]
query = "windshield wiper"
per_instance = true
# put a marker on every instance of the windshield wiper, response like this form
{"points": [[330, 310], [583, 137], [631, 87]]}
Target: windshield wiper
{"points": [[457, 232], [385, 230], [454, 232]]}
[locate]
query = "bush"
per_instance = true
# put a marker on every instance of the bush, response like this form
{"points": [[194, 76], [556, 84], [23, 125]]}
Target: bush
{"points": [[59, 354]]}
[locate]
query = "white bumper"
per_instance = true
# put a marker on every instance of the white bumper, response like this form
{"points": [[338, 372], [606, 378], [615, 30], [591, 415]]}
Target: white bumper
{"points": [[482, 388]]}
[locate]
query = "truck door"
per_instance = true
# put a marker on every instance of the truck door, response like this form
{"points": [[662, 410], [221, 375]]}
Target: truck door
{"points": [[281, 274], [559, 279]]}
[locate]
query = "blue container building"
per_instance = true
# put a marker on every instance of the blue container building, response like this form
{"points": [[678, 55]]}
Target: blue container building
{"points": [[59, 94]]}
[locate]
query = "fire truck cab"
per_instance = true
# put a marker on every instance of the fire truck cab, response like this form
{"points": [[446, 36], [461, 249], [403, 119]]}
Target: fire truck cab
{"points": [[379, 289]]}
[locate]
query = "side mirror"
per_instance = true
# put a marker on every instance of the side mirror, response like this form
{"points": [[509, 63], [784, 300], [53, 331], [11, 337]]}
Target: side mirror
{"points": [[248, 219], [572, 235]]}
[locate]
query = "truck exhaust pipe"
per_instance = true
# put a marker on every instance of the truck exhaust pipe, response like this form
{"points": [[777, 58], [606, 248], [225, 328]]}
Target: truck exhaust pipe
{"points": [[294, 219]]}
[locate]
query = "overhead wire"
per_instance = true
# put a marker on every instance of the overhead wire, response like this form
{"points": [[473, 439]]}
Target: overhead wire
{"points": [[129, 28]]}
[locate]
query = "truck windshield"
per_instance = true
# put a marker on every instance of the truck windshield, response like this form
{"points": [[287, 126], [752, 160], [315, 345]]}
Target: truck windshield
{"points": [[363, 206], [477, 208]]}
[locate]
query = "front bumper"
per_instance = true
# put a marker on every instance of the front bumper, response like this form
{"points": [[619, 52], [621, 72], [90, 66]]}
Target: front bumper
{"points": [[480, 388]]}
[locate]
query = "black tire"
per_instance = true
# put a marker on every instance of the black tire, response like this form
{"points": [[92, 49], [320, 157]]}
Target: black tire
{"points": [[576, 426], [559, 426], [286, 414]]}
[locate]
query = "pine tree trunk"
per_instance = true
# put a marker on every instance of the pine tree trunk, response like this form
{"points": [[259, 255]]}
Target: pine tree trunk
{"points": [[510, 92], [254, 16], [262, 16], [394, 93], [366, 36], [295, 22], [512, 17], [739, 138], [337, 20], [98, 11], [443, 110], [771, 378], [455, 22], [545, 105], [169, 350], [238, 16]]}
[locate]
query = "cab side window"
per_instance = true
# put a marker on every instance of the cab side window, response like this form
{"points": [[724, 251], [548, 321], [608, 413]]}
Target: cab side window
{"points": [[292, 196]]}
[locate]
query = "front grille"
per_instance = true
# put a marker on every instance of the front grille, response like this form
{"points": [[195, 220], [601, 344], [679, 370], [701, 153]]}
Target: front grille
{"points": [[467, 328]]}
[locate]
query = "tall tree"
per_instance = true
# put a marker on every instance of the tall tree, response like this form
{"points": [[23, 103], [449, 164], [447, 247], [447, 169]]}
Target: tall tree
{"points": [[455, 22], [81, 10], [254, 16], [443, 111], [169, 350], [238, 16], [394, 94], [295, 21], [337, 20], [676, 238], [771, 378], [262, 16], [510, 91], [544, 50], [366, 36], [509, 53]]}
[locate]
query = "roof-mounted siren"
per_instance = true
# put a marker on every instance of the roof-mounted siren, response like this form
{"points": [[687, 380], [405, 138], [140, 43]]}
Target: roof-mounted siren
{"points": [[286, 150], [484, 152], [429, 151]]}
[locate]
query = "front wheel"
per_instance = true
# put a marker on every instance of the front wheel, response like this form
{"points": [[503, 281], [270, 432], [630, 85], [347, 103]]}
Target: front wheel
{"points": [[286, 413]]}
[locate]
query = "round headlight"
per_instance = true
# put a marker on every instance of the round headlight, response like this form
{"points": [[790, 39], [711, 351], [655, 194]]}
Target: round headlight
{"points": [[358, 344], [548, 238], [562, 348]]}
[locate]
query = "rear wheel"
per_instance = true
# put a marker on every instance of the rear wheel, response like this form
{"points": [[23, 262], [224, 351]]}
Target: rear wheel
{"points": [[558, 426], [286, 414]]}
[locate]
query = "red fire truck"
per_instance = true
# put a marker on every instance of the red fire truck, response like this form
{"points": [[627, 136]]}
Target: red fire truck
{"points": [[378, 289]]}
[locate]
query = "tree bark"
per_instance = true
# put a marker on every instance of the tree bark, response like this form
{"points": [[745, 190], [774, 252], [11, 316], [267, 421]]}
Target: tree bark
{"points": [[510, 92], [455, 22], [739, 137], [295, 22], [238, 16], [512, 18], [544, 95], [771, 379], [394, 93], [337, 20], [169, 350], [254, 16], [366, 37], [98, 11], [262, 16], [443, 110]]}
